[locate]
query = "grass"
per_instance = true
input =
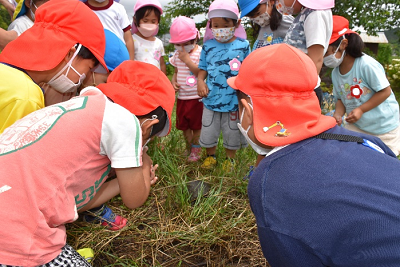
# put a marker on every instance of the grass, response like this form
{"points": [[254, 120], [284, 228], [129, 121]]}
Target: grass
{"points": [[172, 228]]}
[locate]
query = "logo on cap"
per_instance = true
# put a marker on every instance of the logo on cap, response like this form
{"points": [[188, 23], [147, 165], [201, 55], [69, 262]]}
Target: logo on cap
{"points": [[281, 133]]}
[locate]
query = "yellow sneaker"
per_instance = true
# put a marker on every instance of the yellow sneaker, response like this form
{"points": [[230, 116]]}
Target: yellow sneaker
{"points": [[209, 163], [86, 253], [228, 165]]}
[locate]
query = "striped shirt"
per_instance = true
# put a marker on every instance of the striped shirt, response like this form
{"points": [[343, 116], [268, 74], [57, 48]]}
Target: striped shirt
{"points": [[185, 77]]}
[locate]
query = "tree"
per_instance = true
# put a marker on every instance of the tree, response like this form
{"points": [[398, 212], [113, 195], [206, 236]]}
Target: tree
{"points": [[372, 15], [4, 18]]}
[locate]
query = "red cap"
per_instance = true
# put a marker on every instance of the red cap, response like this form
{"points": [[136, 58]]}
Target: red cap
{"points": [[340, 28], [285, 108], [140, 88], [59, 25]]}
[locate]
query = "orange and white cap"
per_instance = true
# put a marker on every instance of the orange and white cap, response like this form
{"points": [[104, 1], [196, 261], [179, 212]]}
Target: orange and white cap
{"points": [[285, 107], [59, 25], [140, 88]]}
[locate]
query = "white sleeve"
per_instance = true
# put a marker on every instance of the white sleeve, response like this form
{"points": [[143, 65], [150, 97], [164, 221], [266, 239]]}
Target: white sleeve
{"points": [[318, 28], [124, 19], [121, 137]]}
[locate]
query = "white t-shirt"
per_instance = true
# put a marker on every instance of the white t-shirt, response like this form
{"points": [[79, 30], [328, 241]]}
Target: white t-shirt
{"points": [[148, 51], [21, 24], [113, 17]]}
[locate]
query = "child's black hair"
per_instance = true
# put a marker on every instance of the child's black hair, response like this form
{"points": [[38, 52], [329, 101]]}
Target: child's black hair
{"points": [[227, 20], [161, 116], [85, 53], [355, 46], [144, 11], [274, 22]]}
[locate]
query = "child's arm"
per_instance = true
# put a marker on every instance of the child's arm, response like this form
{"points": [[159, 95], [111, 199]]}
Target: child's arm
{"points": [[373, 102], [133, 184], [6, 37], [202, 88], [163, 66], [339, 112], [316, 53], [174, 80], [185, 57], [129, 44]]}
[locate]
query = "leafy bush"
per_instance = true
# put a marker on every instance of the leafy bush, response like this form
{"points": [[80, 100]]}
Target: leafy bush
{"points": [[393, 74]]}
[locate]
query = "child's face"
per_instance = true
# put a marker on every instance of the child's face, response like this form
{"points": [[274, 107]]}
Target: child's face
{"points": [[149, 18], [218, 23], [263, 9]]}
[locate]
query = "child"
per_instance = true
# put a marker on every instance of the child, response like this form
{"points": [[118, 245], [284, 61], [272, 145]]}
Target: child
{"points": [[148, 48], [269, 26], [361, 87], [184, 35], [345, 213], [115, 53], [24, 15], [113, 16], [310, 30], [220, 59], [60, 56], [81, 139]]}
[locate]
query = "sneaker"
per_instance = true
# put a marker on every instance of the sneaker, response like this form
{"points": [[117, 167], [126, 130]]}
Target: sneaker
{"points": [[106, 217], [209, 163], [195, 153], [250, 173], [228, 165]]}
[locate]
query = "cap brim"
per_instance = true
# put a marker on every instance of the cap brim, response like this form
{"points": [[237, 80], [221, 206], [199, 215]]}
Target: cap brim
{"points": [[248, 9], [231, 82], [166, 128]]}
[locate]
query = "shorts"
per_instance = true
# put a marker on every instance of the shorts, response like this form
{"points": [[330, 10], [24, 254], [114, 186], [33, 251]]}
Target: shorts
{"points": [[213, 122], [188, 114], [391, 139], [67, 258]]}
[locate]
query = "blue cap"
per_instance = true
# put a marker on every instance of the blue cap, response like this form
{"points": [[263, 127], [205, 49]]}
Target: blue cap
{"points": [[246, 6], [116, 51]]}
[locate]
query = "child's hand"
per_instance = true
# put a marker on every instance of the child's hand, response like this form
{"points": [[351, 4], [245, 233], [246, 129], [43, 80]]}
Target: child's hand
{"points": [[183, 55], [354, 115], [153, 177], [338, 118], [176, 85], [202, 88]]}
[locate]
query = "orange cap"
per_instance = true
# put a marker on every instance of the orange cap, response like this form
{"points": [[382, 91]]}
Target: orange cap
{"points": [[285, 108], [340, 28], [59, 25], [140, 88]]}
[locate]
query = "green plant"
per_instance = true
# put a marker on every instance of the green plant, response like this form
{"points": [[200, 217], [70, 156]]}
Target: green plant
{"points": [[393, 74]]}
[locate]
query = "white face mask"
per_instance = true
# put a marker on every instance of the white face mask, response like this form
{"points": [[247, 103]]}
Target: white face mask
{"points": [[100, 1], [258, 149], [285, 10], [30, 10], [223, 35], [263, 19], [188, 48], [61, 83], [153, 117], [332, 61]]}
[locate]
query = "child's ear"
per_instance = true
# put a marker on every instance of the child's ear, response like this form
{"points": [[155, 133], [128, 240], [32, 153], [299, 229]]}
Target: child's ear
{"points": [[70, 54], [344, 44], [146, 127], [238, 23], [248, 112]]}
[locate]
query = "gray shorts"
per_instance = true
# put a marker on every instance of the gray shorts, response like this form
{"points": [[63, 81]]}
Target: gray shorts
{"points": [[213, 122]]}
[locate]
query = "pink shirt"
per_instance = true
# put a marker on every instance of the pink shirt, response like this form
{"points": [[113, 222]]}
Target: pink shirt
{"points": [[53, 164], [185, 77]]}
